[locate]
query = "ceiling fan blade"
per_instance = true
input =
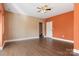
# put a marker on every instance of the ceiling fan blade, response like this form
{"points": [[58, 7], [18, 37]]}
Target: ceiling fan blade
{"points": [[45, 5], [39, 11], [38, 8], [48, 9]]}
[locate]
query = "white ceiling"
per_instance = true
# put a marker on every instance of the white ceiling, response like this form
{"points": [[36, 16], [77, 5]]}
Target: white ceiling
{"points": [[30, 9]]}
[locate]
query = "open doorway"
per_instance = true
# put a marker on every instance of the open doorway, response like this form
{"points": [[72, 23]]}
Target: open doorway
{"points": [[49, 32], [41, 30]]}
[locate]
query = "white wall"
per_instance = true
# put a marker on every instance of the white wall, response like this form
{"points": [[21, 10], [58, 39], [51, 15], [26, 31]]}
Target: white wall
{"points": [[21, 26]]}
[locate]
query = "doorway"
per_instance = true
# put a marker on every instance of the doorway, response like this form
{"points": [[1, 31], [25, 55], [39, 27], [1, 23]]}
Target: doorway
{"points": [[49, 32], [41, 30]]}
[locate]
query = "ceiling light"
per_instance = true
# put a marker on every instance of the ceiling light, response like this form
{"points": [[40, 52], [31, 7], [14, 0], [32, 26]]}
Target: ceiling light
{"points": [[43, 9]]}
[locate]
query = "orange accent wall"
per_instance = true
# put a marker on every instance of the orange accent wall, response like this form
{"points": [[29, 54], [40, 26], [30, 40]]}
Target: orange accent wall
{"points": [[1, 24], [62, 25], [76, 26]]}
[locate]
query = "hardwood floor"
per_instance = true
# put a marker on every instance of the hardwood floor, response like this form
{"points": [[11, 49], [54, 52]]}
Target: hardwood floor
{"points": [[38, 47]]}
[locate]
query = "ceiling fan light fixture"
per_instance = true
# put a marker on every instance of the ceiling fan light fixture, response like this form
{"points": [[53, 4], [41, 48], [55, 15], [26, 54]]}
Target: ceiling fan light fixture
{"points": [[44, 9]]}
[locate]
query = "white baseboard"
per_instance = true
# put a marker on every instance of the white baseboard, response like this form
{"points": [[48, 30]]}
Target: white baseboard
{"points": [[76, 51], [21, 39], [4, 44], [1, 48], [70, 41]]}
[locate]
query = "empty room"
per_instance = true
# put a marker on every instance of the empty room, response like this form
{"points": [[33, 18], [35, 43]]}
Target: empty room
{"points": [[39, 29]]}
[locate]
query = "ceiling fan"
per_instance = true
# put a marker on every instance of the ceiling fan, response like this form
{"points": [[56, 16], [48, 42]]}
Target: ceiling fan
{"points": [[44, 9]]}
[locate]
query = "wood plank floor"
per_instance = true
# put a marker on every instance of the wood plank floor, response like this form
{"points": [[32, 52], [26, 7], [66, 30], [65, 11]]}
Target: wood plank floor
{"points": [[38, 47]]}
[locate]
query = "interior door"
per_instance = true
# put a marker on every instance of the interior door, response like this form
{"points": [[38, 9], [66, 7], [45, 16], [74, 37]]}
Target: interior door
{"points": [[49, 32]]}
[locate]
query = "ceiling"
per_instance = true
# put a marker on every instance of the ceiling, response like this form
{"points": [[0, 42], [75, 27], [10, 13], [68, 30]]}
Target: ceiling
{"points": [[30, 9]]}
